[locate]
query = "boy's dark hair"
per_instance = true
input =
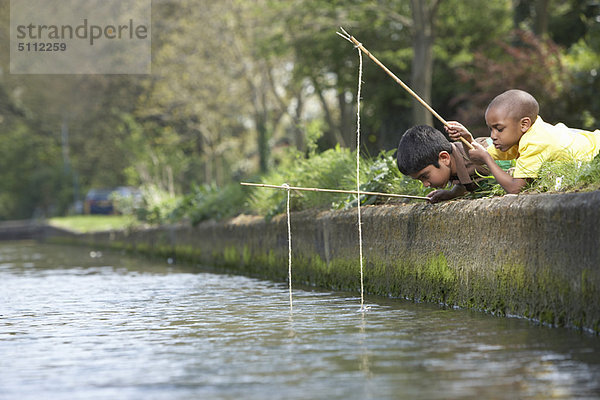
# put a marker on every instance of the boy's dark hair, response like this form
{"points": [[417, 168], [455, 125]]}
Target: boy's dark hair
{"points": [[419, 147]]}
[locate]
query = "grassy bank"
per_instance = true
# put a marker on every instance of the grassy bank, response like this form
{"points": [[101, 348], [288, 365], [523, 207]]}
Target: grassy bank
{"points": [[94, 223]]}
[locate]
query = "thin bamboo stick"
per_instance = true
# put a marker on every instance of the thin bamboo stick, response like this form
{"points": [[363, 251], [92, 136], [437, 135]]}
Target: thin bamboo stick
{"points": [[407, 196], [359, 45]]}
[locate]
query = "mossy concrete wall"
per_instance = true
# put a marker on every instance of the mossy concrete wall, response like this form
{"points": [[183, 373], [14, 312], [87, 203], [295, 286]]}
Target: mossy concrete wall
{"points": [[536, 256]]}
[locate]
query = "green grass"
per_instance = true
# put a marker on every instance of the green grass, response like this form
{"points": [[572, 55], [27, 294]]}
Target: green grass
{"points": [[568, 176], [93, 223], [553, 177]]}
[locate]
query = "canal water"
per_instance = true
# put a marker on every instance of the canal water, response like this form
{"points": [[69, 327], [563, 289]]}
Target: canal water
{"points": [[79, 324]]}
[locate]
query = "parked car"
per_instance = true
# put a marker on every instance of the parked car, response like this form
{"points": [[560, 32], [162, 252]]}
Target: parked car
{"points": [[98, 201], [129, 192], [127, 199], [104, 201]]}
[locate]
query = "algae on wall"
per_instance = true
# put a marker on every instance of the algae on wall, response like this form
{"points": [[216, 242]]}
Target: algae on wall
{"points": [[537, 256]]}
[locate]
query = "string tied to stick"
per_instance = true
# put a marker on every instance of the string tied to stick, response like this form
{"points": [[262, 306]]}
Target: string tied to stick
{"points": [[289, 229], [404, 196], [360, 243], [362, 48], [359, 47]]}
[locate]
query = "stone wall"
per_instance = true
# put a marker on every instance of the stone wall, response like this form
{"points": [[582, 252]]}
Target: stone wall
{"points": [[536, 256]]}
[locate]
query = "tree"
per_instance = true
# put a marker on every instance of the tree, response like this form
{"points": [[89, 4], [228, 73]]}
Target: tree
{"points": [[193, 103], [424, 16]]}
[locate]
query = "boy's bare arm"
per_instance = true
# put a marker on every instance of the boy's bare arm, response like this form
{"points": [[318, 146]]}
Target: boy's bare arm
{"points": [[442, 194], [510, 184]]}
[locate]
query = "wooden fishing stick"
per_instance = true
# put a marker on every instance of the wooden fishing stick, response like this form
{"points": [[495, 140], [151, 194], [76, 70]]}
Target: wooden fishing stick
{"points": [[362, 48], [407, 196]]}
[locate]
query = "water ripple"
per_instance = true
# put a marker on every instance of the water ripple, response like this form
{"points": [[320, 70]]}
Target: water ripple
{"points": [[73, 326]]}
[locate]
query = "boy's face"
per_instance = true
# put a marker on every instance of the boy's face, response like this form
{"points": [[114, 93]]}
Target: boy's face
{"points": [[505, 130], [433, 176]]}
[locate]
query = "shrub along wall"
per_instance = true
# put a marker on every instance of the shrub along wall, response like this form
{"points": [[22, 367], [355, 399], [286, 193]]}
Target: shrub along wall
{"points": [[536, 256]]}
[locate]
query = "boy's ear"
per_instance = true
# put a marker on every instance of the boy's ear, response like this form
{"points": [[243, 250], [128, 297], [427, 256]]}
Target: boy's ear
{"points": [[444, 158], [524, 124]]}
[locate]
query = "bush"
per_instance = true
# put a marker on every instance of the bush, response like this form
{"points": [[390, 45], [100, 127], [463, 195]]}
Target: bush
{"points": [[211, 202], [158, 206], [382, 176], [333, 169]]}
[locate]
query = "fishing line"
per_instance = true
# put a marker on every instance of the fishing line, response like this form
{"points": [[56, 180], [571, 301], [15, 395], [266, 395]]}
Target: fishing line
{"points": [[288, 188], [360, 243], [289, 227]]}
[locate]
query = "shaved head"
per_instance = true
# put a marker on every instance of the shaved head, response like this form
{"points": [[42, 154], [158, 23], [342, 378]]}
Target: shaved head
{"points": [[516, 104]]}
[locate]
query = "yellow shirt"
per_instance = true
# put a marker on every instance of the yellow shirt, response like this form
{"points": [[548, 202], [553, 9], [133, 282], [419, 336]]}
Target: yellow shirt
{"points": [[545, 142]]}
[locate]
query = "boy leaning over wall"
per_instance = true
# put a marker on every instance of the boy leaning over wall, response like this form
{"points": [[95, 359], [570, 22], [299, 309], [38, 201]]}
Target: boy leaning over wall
{"points": [[519, 133], [425, 154]]}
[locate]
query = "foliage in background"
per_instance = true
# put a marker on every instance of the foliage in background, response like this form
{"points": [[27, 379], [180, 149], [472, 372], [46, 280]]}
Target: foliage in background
{"points": [[213, 202], [382, 176], [238, 87], [332, 169], [336, 169], [525, 62], [158, 206]]}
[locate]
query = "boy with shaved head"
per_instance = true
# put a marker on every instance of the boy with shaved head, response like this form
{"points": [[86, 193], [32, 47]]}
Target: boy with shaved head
{"points": [[519, 133]]}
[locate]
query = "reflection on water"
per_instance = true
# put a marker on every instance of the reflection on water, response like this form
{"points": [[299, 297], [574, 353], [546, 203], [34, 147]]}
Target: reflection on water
{"points": [[73, 326]]}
